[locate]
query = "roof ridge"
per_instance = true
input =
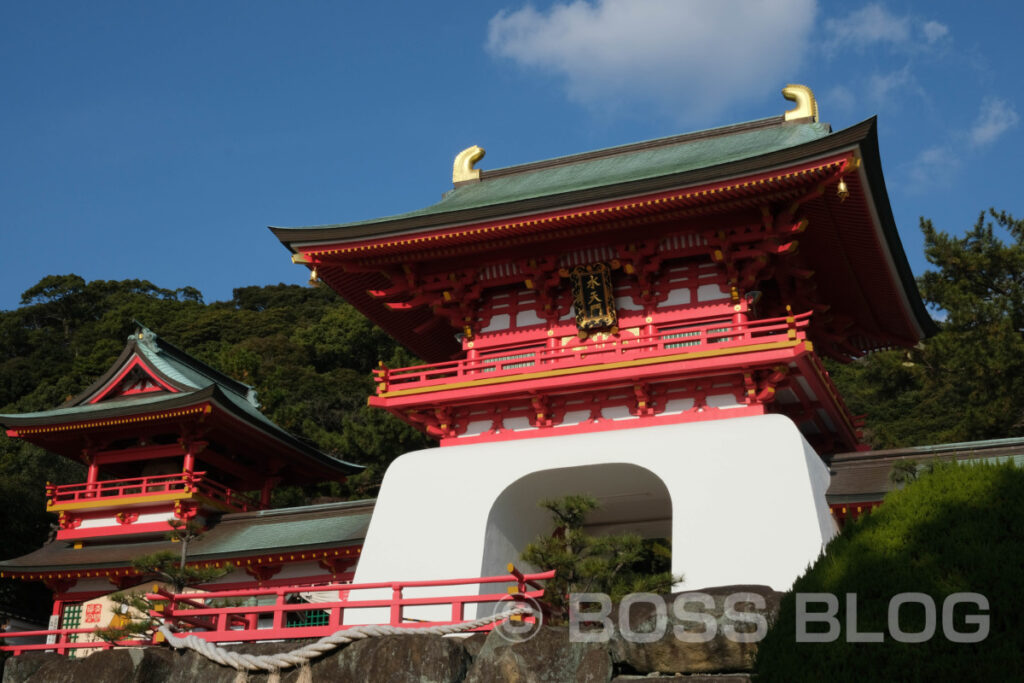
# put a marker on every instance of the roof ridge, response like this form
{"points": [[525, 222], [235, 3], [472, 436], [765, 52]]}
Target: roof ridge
{"points": [[299, 509], [149, 338], [668, 141], [916, 451]]}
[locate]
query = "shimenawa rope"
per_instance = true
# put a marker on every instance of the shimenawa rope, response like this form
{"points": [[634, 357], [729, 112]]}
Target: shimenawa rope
{"points": [[301, 656]]}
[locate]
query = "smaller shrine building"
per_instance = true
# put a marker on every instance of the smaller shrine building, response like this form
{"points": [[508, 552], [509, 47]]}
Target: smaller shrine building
{"points": [[166, 439]]}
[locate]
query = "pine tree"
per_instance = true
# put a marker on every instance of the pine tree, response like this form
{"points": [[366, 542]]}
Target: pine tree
{"points": [[616, 564]]}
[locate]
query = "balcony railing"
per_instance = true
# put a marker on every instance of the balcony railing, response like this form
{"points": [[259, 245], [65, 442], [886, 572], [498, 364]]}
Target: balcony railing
{"points": [[141, 489], [669, 339]]}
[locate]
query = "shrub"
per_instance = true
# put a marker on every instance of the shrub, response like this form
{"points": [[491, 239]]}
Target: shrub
{"points": [[956, 529]]}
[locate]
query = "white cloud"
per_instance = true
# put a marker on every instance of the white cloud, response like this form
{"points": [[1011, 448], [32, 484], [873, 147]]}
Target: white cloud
{"points": [[933, 30], [995, 118], [933, 169], [882, 86], [868, 26], [873, 26], [839, 98], [692, 58]]}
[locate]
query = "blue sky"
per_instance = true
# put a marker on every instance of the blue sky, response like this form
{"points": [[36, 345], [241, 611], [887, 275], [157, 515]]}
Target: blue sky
{"points": [[158, 140]]}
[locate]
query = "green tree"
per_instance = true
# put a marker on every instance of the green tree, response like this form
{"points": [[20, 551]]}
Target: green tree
{"points": [[616, 564], [966, 382]]}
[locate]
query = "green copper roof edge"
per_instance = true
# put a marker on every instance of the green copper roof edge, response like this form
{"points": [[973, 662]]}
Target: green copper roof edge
{"points": [[580, 157], [367, 503], [175, 356], [233, 404], [246, 411], [113, 408], [616, 150], [960, 446], [413, 221]]}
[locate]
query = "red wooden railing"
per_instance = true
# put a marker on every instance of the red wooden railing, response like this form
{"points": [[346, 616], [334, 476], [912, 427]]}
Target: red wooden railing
{"points": [[282, 619], [127, 490], [65, 641], [669, 339]]}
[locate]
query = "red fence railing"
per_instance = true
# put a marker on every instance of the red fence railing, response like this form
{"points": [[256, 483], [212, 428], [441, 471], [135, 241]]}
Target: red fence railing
{"points": [[291, 612], [139, 487], [669, 339], [63, 641]]}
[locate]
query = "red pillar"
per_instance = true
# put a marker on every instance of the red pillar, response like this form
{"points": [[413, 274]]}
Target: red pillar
{"points": [[268, 487], [91, 475]]}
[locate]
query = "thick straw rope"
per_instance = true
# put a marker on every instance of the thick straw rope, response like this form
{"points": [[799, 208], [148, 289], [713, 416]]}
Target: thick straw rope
{"points": [[284, 660]]}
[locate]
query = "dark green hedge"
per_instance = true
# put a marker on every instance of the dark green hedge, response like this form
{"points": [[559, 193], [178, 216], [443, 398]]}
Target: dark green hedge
{"points": [[958, 529]]}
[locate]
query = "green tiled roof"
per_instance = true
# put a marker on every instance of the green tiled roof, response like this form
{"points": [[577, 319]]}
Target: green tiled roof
{"points": [[616, 166], [87, 410], [310, 527], [864, 476], [270, 530]]}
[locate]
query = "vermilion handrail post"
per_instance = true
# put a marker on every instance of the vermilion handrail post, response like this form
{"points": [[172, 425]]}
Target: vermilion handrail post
{"points": [[520, 578], [458, 610], [334, 615], [396, 604], [278, 622]]}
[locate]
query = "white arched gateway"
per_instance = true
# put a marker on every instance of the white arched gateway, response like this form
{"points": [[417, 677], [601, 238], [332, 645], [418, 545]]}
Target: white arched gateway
{"points": [[747, 503]]}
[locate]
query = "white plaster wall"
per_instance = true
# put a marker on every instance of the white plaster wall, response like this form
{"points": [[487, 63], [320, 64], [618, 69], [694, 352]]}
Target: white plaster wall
{"points": [[748, 501], [147, 518]]}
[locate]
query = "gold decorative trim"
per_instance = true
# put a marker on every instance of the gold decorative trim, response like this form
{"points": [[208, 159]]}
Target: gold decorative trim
{"points": [[120, 502], [806, 105], [207, 408], [692, 355], [462, 169]]}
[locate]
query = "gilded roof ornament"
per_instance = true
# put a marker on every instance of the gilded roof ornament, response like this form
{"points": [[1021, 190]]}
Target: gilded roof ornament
{"points": [[462, 169], [806, 105]]}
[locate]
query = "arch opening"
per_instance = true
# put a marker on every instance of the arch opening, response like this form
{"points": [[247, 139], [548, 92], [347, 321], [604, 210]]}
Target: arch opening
{"points": [[632, 499]]}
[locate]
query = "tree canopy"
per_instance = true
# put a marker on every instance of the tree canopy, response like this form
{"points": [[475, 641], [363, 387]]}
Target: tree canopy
{"points": [[967, 382]]}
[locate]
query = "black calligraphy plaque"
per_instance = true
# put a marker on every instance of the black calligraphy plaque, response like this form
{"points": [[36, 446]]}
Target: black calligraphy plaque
{"points": [[593, 297]]}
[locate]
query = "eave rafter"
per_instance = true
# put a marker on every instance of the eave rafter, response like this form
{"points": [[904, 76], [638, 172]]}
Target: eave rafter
{"points": [[452, 295]]}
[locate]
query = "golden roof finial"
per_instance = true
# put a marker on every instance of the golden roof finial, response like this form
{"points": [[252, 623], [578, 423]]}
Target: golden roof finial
{"points": [[806, 105], [462, 169]]}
